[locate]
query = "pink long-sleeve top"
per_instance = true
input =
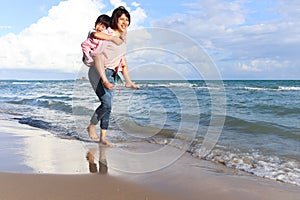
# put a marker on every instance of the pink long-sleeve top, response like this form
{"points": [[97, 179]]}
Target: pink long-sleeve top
{"points": [[113, 53]]}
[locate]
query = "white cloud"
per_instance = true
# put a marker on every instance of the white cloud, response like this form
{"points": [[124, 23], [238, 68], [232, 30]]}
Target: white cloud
{"points": [[221, 27], [266, 64], [150, 72], [247, 68], [5, 27], [164, 47], [265, 68], [117, 3], [138, 16], [53, 42], [135, 4], [289, 10]]}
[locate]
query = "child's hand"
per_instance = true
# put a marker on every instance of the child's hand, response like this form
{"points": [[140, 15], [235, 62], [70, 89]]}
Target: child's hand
{"points": [[123, 36], [117, 40]]}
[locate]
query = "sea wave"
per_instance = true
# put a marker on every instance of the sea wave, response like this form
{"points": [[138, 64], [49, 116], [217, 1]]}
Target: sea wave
{"points": [[49, 126], [260, 127], [50, 104], [277, 88], [272, 167], [277, 109], [56, 97], [181, 85], [288, 88]]}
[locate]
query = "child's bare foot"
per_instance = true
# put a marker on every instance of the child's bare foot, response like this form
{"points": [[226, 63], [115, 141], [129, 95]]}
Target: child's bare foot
{"points": [[106, 143], [132, 85], [92, 132], [108, 85]]}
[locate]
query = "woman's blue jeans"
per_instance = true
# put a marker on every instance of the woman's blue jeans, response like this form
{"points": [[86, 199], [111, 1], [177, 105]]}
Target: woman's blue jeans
{"points": [[102, 113]]}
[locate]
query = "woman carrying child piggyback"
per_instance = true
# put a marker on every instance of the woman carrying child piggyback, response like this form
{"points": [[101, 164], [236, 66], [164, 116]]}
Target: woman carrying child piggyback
{"points": [[107, 63], [93, 45]]}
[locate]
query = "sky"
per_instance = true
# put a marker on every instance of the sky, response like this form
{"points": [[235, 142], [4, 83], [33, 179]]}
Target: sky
{"points": [[244, 39]]}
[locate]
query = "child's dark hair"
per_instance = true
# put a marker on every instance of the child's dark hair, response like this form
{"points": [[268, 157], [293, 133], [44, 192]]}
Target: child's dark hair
{"points": [[116, 14], [103, 19]]}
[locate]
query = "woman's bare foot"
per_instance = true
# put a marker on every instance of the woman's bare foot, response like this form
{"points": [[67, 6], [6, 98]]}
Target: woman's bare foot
{"points": [[106, 143], [132, 85], [90, 156], [108, 85], [92, 132]]}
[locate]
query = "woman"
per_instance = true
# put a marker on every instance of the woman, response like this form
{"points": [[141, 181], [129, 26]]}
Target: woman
{"points": [[113, 58]]}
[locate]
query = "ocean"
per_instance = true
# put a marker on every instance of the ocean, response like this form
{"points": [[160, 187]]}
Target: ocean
{"points": [[260, 133]]}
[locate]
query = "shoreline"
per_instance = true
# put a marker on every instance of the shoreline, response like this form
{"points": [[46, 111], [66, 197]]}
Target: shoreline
{"points": [[36, 164]]}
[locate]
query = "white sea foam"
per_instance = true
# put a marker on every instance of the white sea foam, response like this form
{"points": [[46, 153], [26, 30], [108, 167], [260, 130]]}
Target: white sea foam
{"points": [[257, 88], [21, 83], [181, 85], [271, 167], [280, 88], [288, 88]]}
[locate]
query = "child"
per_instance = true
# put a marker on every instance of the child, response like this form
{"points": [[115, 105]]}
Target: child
{"points": [[93, 46]]}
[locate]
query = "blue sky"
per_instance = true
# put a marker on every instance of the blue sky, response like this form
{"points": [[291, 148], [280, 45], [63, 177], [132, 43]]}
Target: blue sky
{"points": [[246, 39]]}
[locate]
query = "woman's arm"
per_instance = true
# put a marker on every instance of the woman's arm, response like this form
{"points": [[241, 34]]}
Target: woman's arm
{"points": [[125, 72], [124, 63]]}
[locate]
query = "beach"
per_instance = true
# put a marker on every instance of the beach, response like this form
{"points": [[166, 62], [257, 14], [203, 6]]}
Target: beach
{"points": [[38, 165], [254, 126]]}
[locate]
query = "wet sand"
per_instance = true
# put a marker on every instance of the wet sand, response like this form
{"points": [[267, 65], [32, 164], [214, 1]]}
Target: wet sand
{"points": [[35, 164]]}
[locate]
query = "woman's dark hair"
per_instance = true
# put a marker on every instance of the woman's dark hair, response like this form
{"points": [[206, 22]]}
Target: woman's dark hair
{"points": [[103, 19], [116, 14]]}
